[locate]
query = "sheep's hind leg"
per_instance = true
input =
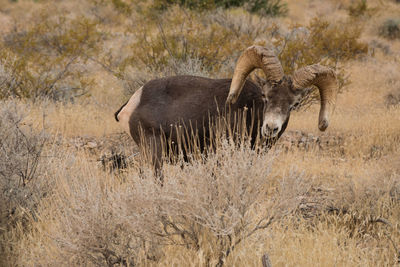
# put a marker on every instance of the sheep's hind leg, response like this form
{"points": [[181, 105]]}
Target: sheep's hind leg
{"points": [[156, 151]]}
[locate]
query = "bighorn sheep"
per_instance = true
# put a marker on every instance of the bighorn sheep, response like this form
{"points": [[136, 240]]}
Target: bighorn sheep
{"points": [[192, 100]]}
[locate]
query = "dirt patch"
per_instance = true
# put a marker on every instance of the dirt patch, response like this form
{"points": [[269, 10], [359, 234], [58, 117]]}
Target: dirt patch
{"points": [[299, 139]]}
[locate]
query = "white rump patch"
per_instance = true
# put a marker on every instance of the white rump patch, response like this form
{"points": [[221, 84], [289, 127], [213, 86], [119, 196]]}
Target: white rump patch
{"points": [[126, 112]]}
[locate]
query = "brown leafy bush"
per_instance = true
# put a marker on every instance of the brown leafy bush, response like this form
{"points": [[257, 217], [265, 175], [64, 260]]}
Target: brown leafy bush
{"points": [[46, 59]]}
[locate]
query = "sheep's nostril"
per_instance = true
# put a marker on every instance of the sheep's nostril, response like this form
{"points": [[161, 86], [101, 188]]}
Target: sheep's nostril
{"points": [[269, 131]]}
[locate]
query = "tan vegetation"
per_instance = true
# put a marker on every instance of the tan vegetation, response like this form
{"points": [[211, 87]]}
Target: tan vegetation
{"points": [[315, 199]]}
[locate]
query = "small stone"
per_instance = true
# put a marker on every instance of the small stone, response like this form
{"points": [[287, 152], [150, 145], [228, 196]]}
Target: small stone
{"points": [[91, 144]]}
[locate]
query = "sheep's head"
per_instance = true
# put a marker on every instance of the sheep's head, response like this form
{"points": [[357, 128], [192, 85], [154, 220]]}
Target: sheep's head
{"points": [[281, 92]]}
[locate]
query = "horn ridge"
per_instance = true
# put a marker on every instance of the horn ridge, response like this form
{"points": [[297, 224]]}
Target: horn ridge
{"points": [[324, 78]]}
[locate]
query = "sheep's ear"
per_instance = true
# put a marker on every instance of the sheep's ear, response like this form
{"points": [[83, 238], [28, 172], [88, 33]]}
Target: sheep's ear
{"points": [[260, 82]]}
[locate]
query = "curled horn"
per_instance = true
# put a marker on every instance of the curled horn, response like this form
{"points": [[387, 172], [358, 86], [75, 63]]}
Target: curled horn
{"points": [[252, 58], [325, 79]]}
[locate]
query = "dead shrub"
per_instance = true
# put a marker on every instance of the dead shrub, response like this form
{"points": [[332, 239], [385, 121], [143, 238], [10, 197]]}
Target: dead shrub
{"points": [[213, 206], [363, 209], [242, 23], [209, 207], [21, 169], [21, 151]]}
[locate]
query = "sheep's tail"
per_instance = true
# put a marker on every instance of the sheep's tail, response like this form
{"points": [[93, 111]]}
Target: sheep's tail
{"points": [[117, 112]]}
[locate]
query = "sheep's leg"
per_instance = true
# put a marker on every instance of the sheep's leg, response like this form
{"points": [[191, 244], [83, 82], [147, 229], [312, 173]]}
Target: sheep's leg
{"points": [[156, 150]]}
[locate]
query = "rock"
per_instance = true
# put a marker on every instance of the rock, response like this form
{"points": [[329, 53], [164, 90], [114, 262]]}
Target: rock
{"points": [[91, 144]]}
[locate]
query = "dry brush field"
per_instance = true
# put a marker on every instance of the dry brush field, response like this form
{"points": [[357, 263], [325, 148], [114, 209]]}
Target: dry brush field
{"points": [[72, 193]]}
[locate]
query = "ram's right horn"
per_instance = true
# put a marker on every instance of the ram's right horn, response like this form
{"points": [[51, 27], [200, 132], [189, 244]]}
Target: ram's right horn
{"points": [[252, 58]]}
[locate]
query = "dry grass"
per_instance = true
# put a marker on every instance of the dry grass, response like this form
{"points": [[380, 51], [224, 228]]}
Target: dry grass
{"points": [[332, 202]]}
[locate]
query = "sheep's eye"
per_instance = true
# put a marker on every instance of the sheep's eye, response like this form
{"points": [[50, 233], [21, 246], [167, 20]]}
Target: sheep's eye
{"points": [[294, 106], [264, 97]]}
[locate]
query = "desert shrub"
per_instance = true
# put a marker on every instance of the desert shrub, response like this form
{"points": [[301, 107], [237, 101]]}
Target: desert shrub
{"points": [[182, 38], [363, 210], [262, 7], [209, 207], [358, 8], [215, 204], [181, 35], [21, 168], [122, 7], [21, 150], [243, 23], [266, 7], [324, 43], [390, 29], [191, 4], [46, 59]]}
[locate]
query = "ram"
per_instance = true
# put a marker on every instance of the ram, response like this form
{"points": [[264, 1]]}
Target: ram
{"points": [[158, 106]]}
